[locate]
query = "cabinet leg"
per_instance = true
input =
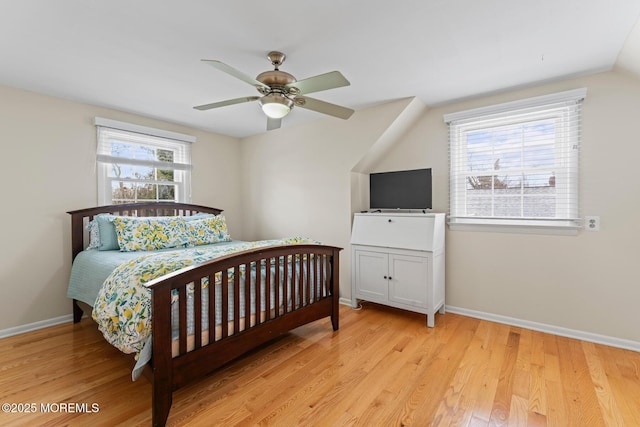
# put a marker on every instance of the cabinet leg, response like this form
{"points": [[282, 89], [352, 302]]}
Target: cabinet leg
{"points": [[441, 311], [430, 320]]}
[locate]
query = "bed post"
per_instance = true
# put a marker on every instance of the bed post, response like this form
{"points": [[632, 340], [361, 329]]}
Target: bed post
{"points": [[76, 248], [335, 291], [162, 384], [77, 312]]}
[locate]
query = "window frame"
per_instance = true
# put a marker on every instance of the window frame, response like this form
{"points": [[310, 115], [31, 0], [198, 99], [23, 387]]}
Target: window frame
{"points": [[563, 106], [181, 166]]}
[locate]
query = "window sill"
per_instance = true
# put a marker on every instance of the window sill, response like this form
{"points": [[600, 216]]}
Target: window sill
{"points": [[523, 227]]}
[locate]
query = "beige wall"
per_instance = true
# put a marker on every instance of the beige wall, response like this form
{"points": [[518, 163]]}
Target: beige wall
{"points": [[300, 181], [48, 166]]}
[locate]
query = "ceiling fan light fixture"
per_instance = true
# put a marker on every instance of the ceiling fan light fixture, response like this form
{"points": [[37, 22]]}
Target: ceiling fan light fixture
{"points": [[276, 106]]}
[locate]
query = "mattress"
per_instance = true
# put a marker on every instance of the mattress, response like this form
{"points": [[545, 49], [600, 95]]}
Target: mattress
{"points": [[91, 268]]}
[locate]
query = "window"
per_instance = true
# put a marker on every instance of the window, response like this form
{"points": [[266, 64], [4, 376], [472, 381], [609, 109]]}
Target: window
{"points": [[515, 165], [137, 163]]}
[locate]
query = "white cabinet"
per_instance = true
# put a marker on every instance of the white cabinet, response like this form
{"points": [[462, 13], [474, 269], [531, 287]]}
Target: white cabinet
{"points": [[398, 260]]}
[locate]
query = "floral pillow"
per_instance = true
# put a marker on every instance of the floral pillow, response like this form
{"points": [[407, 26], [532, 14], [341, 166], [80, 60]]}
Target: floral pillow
{"points": [[102, 234], [209, 230], [94, 234], [148, 234]]}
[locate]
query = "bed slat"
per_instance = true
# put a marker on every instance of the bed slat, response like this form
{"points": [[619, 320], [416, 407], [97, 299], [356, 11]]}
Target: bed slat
{"points": [[182, 322], [236, 299], [277, 289], [247, 295], [267, 291], [225, 302], [197, 313]]}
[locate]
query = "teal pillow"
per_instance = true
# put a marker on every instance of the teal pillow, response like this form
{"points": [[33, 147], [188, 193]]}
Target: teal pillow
{"points": [[198, 216], [107, 232]]}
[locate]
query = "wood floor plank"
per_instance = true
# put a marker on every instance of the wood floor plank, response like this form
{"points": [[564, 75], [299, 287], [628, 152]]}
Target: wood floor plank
{"points": [[535, 419], [621, 369], [608, 407], [627, 396], [557, 414], [472, 389], [537, 390], [383, 367], [518, 413], [497, 346], [584, 384], [456, 407], [504, 390]]}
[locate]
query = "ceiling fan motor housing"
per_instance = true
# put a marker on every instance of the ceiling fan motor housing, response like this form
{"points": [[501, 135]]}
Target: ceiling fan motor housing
{"points": [[276, 80]]}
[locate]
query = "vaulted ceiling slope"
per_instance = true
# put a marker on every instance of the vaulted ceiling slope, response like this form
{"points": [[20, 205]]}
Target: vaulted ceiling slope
{"points": [[629, 58], [144, 56]]}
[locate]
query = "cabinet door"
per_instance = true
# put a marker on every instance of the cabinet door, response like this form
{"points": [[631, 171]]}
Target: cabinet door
{"points": [[371, 275], [408, 279]]}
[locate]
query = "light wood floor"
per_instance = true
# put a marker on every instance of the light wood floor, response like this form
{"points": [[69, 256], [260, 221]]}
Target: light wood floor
{"points": [[383, 367]]}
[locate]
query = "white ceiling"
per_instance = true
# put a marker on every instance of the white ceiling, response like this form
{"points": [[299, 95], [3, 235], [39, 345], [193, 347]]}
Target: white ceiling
{"points": [[143, 56]]}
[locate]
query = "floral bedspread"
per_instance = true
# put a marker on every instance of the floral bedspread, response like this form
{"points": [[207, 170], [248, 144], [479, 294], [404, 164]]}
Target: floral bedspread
{"points": [[123, 306]]}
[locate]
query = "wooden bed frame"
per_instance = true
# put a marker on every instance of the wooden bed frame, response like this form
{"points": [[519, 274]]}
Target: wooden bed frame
{"points": [[168, 373]]}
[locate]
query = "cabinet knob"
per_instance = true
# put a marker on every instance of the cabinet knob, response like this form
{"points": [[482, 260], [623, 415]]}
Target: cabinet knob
{"points": [[389, 220], [385, 277], [390, 277]]}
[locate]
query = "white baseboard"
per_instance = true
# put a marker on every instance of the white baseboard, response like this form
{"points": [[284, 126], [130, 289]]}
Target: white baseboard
{"points": [[4, 333], [344, 301], [541, 327], [550, 329]]}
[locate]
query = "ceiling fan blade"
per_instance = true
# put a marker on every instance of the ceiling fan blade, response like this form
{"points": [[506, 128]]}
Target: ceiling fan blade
{"points": [[323, 107], [235, 73], [273, 123], [227, 102], [319, 83]]}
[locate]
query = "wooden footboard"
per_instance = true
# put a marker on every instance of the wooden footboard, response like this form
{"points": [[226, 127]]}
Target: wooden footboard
{"points": [[296, 284], [253, 297]]}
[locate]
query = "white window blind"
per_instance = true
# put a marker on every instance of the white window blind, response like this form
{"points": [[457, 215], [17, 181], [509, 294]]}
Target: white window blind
{"points": [[137, 163], [516, 164]]}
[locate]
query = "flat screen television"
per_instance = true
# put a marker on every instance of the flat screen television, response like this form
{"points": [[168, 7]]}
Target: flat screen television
{"points": [[409, 189]]}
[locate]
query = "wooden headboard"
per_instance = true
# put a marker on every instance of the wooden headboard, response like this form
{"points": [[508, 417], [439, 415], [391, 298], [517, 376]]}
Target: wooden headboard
{"points": [[80, 218]]}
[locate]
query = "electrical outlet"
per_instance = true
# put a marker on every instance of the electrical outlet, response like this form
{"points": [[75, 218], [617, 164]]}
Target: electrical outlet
{"points": [[592, 223]]}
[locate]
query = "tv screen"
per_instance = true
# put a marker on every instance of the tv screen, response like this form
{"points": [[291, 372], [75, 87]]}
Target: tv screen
{"points": [[410, 189]]}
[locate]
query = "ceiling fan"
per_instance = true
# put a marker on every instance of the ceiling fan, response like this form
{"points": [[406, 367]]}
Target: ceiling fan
{"points": [[281, 91]]}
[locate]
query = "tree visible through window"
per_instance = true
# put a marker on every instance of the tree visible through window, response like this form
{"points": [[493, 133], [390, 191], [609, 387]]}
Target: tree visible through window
{"points": [[131, 183], [140, 167]]}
